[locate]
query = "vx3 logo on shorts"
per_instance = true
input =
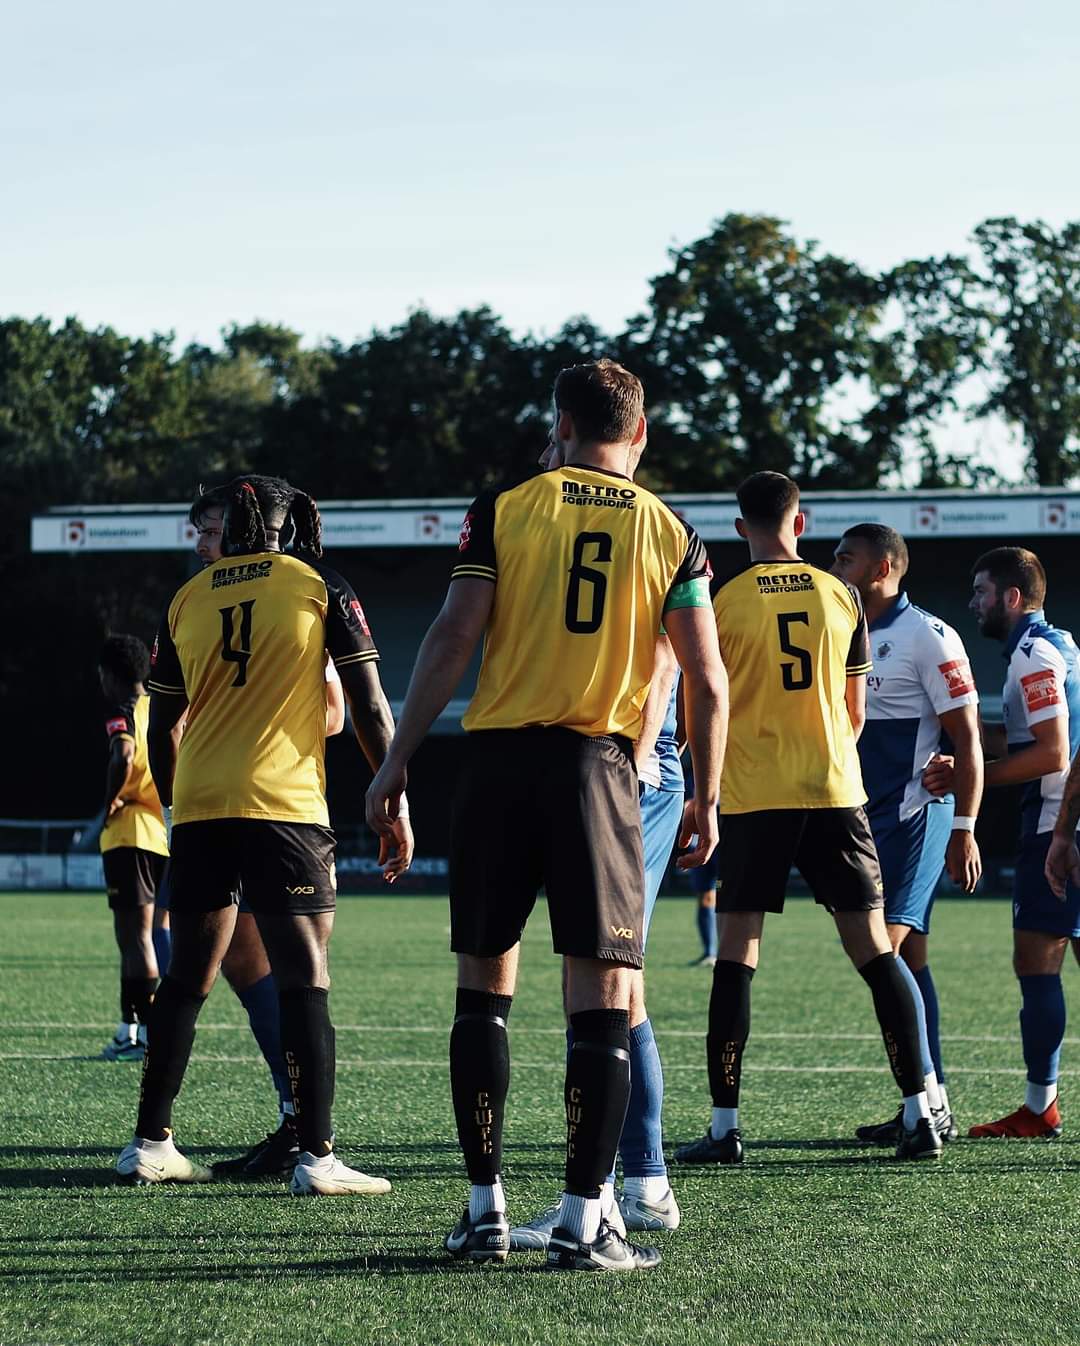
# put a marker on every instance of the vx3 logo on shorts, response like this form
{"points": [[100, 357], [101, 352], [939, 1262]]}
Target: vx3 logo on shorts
{"points": [[622, 932], [301, 890]]}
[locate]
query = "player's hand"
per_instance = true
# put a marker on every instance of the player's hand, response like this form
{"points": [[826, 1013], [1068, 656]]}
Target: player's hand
{"points": [[1062, 865], [700, 826], [396, 849], [938, 774], [114, 808], [963, 861], [383, 801]]}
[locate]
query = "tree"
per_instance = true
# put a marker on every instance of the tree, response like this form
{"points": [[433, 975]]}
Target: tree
{"points": [[751, 345], [1032, 282]]}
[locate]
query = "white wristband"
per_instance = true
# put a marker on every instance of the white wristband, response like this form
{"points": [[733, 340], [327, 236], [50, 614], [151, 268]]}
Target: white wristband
{"points": [[403, 806], [963, 824]]}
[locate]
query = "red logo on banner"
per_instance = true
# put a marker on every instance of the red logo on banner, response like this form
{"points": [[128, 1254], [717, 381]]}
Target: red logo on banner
{"points": [[1055, 514], [1040, 689], [926, 518], [466, 533], [957, 675], [75, 533]]}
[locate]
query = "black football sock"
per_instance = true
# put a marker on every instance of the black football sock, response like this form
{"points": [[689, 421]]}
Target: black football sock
{"points": [[479, 1080], [597, 1092], [307, 1042], [136, 995], [899, 1020], [729, 1028], [170, 1033]]}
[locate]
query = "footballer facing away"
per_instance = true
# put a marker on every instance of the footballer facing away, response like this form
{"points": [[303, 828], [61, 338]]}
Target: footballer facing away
{"points": [[568, 577], [795, 643], [247, 788]]}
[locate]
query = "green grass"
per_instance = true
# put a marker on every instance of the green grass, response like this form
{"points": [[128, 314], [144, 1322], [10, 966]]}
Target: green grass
{"points": [[813, 1241]]}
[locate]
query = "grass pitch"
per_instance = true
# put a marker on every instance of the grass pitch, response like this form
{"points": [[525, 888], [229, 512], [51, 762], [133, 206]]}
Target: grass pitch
{"points": [[814, 1240]]}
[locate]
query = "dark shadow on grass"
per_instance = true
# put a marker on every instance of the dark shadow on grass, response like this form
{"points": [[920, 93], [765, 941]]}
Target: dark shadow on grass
{"points": [[375, 1264]]}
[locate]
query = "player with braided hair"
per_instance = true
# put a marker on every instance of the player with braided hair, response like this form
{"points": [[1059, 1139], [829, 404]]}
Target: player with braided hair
{"points": [[247, 788], [245, 966]]}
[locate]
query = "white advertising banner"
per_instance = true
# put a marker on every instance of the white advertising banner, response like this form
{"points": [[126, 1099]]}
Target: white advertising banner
{"points": [[984, 514], [21, 872]]}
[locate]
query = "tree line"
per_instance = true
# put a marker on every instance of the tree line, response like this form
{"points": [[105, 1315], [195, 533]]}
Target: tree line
{"points": [[757, 350]]}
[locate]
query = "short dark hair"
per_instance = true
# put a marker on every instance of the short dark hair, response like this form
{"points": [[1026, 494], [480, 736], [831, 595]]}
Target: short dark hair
{"points": [[1015, 568], [604, 400], [767, 498], [126, 658], [885, 541], [216, 497]]}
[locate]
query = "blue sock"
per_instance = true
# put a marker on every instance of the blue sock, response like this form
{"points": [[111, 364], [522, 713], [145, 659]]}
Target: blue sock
{"points": [[162, 948], [261, 1002], [933, 1018], [920, 1014], [1042, 1026], [706, 924], [641, 1144]]}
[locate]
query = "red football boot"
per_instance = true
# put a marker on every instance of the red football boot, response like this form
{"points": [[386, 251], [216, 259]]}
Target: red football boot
{"points": [[1023, 1124]]}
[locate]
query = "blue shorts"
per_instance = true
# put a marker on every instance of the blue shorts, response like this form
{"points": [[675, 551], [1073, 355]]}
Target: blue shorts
{"points": [[912, 856], [661, 814], [703, 878], [1034, 906]]}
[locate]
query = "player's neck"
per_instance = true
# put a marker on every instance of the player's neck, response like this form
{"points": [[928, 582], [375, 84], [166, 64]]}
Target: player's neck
{"points": [[602, 457], [769, 550], [876, 604]]}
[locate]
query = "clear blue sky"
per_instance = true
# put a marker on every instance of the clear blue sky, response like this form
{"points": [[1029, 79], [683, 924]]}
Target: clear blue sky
{"points": [[330, 166]]}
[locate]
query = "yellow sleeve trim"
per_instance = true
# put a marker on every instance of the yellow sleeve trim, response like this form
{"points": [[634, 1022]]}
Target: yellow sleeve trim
{"points": [[362, 657], [474, 572], [859, 668], [167, 690]]}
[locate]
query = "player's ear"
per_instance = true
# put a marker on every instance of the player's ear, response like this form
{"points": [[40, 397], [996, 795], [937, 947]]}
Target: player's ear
{"points": [[564, 428], [640, 434], [799, 524], [740, 528]]}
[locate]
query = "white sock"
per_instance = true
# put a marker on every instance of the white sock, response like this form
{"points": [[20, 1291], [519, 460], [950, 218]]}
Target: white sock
{"points": [[723, 1121], [581, 1216], [915, 1106], [483, 1198], [155, 1146], [128, 1031], [944, 1097], [286, 1110], [607, 1198], [647, 1189], [310, 1160], [1038, 1097], [933, 1092]]}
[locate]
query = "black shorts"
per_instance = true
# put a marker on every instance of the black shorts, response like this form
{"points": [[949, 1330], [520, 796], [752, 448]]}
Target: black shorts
{"points": [[831, 848], [132, 876], [283, 868], [555, 808]]}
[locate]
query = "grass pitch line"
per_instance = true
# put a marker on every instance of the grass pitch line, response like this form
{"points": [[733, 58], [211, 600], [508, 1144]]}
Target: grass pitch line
{"points": [[410, 1063], [538, 1032]]}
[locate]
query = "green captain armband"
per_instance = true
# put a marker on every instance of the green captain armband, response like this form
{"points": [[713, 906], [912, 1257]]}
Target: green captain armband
{"points": [[689, 594]]}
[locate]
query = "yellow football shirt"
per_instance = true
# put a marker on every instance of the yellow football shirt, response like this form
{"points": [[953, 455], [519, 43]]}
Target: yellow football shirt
{"points": [[139, 823], [245, 641], [790, 635], [584, 563]]}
